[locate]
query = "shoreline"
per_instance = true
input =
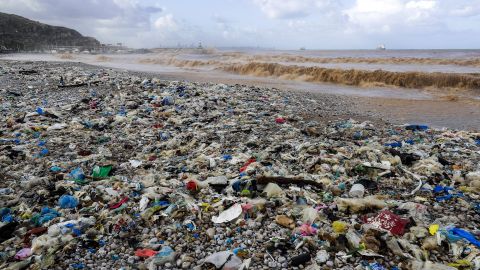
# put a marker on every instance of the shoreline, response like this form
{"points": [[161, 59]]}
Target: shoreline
{"points": [[398, 106]]}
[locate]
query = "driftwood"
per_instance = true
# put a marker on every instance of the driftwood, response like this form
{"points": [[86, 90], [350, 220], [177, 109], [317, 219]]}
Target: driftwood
{"points": [[27, 72], [72, 85], [263, 180], [77, 85]]}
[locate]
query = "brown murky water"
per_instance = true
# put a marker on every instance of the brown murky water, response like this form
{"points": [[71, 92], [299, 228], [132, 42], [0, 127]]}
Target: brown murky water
{"points": [[436, 88]]}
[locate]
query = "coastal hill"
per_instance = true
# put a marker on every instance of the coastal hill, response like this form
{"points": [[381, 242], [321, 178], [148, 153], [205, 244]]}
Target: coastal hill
{"points": [[19, 33]]}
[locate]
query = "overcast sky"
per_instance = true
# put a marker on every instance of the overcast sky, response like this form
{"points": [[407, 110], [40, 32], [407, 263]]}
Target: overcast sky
{"points": [[281, 24]]}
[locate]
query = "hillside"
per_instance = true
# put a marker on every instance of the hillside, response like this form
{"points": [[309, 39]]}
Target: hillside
{"points": [[19, 33]]}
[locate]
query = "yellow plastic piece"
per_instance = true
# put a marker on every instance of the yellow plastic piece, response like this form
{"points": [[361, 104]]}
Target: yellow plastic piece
{"points": [[339, 226], [433, 229], [460, 264]]}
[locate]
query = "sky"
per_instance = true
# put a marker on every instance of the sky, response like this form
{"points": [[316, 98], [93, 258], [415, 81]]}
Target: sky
{"points": [[279, 24]]}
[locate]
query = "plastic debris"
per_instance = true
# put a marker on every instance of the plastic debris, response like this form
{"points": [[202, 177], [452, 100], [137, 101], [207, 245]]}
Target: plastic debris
{"points": [[339, 226], [123, 170], [357, 191], [145, 253], [23, 254], [228, 215], [67, 201], [388, 221], [224, 260]]}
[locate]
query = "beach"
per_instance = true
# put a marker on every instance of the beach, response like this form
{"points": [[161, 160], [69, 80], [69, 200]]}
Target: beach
{"points": [[106, 168]]}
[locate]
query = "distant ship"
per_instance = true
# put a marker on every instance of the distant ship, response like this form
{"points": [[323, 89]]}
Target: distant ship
{"points": [[302, 49], [381, 47]]}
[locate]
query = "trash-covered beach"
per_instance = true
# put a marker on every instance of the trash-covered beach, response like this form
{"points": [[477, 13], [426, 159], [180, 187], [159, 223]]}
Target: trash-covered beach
{"points": [[105, 169]]}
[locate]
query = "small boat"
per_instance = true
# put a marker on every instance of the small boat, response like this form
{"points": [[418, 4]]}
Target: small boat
{"points": [[381, 47]]}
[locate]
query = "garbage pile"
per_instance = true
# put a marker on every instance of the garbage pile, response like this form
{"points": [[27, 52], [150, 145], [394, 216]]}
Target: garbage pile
{"points": [[109, 169]]}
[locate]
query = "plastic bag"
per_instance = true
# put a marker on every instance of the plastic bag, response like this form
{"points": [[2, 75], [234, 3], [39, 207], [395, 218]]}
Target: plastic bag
{"points": [[228, 215], [67, 201], [224, 258], [465, 235], [357, 191], [23, 253], [77, 174], [101, 171], [273, 190], [388, 221], [309, 215], [145, 253]]}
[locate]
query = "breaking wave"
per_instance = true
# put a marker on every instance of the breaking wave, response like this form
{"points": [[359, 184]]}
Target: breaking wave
{"points": [[66, 56], [172, 61], [242, 64], [474, 62], [103, 58], [358, 77]]}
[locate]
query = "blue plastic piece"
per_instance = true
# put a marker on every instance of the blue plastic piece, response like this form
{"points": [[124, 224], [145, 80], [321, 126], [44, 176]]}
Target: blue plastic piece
{"points": [[46, 215], [77, 265], [77, 174], [444, 198], [5, 211], [438, 189], [477, 207], [237, 186], [466, 235], [40, 111], [227, 157], [190, 226], [161, 203], [377, 266], [44, 152], [164, 136], [55, 169], [357, 135], [167, 101], [165, 252], [410, 141], [76, 232], [7, 218], [68, 201], [417, 127], [394, 144], [123, 111]]}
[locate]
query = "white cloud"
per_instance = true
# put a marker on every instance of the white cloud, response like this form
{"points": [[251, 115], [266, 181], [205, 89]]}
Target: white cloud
{"points": [[385, 16], [287, 9], [470, 10], [422, 5], [109, 21], [166, 23], [269, 23]]}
